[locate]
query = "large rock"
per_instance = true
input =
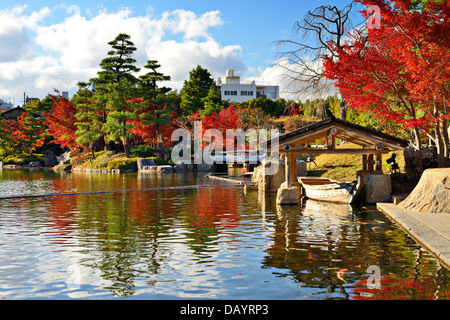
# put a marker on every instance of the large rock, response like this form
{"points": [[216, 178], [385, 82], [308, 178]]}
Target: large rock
{"points": [[50, 159], [181, 168], [157, 169], [377, 188], [272, 181], [141, 163], [432, 193], [268, 179], [288, 196]]}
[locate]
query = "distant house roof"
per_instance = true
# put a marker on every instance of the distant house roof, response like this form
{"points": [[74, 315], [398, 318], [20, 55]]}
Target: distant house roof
{"points": [[344, 130], [13, 113]]}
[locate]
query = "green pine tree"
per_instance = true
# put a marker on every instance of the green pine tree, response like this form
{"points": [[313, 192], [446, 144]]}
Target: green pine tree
{"points": [[157, 107], [213, 102], [89, 121], [195, 89], [120, 83]]}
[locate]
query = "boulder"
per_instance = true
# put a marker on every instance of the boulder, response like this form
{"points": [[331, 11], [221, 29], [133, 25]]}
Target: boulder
{"points": [[377, 188], [288, 196], [181, 168], [267, 177], [432, 193], [141, 163], [158, 169], [50, 159], [272, 181], [35, 164]]}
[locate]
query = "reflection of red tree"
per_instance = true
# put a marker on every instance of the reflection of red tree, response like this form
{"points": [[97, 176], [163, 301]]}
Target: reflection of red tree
{"points": [[399, 289], [214, 205], [62, 215]]}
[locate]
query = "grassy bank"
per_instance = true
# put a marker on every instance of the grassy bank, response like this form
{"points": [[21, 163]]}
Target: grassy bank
{"points": [[343, 167], [109, 160]]}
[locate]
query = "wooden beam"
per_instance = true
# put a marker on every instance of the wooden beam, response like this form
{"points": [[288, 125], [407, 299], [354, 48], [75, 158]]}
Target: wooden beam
{"points": [[335, 151]]}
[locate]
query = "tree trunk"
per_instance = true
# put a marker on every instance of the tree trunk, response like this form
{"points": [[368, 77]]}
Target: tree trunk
{"points": [[126, 146], [92, 151], [343, 110], [439, 139], [419, 148], [444, 128]]}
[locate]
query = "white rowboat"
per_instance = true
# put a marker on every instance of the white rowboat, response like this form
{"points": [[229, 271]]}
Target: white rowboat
{"points": [[324, 189]]}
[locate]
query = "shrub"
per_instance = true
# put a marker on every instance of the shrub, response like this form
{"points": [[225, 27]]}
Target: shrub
{"points": [[101, 160], [23, 158], [158, 161], [143, 151], [123, 164]]}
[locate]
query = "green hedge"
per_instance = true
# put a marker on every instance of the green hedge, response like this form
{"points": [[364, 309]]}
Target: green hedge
{"points": [[159, 161], [23, 158], [143, 151], [123, 164]]}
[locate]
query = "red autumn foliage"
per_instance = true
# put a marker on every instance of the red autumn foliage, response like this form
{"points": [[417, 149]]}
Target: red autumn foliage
{"points": [[60, 120], [400, 71], [147, 133], [227, 118]]}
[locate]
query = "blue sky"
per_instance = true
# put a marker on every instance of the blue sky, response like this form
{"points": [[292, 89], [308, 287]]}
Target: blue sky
{"points": [[51, 46]]}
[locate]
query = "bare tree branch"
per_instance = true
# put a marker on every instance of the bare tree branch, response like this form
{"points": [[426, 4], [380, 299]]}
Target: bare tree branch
{"points": [[300, 57]]}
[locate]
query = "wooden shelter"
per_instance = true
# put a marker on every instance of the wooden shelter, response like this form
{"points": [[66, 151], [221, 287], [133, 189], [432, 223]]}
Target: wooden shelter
{"points": [[373, 144]]}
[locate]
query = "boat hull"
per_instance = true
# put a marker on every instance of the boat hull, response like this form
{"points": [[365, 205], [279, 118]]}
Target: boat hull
{"points": [[329, 190]]}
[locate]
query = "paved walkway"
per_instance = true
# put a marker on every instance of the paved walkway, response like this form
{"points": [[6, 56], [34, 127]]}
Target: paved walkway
{"points": [[432, 230]]}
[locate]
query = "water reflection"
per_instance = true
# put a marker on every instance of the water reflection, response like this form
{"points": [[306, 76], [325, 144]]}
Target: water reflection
{"points": [[218, 242]]}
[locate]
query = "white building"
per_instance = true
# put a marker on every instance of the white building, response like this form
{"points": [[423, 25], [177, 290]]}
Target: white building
{"points": [[232, 89]]}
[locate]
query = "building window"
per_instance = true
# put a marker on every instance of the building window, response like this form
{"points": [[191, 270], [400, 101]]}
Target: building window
{"points": [[231, 93], [246, 93]]}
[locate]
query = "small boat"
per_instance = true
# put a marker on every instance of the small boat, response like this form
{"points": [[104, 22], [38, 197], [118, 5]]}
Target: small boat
{"points": [[324, 189]]}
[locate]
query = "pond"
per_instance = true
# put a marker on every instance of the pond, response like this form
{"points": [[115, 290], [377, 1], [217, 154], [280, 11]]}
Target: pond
{"points": [[218, 242]]}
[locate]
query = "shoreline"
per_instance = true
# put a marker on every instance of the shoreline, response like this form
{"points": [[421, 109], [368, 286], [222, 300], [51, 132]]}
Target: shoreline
{"points": [[430, 230]]}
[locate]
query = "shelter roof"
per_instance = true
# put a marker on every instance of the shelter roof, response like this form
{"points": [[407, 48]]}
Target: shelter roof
{"points": [[344, 130]]}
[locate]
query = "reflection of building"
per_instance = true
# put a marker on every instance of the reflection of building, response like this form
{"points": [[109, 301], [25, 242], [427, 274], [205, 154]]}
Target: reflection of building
{"points": [[6, 103], [232, 89]]}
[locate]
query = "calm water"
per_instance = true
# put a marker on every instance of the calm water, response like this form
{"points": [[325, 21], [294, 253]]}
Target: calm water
{"points": [[213, 243]]}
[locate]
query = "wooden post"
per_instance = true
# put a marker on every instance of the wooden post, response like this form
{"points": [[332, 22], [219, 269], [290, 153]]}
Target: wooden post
{"points": [[287, 169], [331, 140], [293, 165], [364, 162], [379, 162], [370, 162]]}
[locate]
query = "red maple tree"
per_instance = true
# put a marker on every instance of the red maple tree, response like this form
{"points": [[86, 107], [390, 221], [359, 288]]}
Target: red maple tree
{"points": [[400, 71], [60, 121], [227, 118]]}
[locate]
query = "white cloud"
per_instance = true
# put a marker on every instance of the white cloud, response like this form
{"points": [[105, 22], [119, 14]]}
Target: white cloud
{"points": [[40, 57], [287, 75]]}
